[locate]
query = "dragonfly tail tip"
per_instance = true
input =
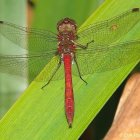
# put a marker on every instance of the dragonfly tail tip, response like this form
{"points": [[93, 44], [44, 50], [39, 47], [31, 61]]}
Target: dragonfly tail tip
{"points": [[1, 21], [70, 125], [135, 9]]}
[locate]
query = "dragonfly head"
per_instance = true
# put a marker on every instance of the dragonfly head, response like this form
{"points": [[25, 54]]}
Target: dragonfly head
{"points": [[66, 25]]}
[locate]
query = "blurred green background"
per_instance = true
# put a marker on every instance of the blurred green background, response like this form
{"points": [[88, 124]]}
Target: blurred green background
{"points": [[11, 86], [45, 14]]}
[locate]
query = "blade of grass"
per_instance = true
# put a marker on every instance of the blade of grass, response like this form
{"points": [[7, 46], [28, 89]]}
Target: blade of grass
{"points": [[40, 114]]}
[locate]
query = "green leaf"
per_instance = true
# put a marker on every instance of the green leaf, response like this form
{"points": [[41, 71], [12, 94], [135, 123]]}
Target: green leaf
{"points": [[39, 114]]}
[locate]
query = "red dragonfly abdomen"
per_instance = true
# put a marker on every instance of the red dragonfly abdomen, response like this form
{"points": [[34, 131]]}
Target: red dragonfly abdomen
{"points": [[69, 98]]}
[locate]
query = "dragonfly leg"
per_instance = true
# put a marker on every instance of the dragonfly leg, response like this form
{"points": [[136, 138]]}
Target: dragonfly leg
{"points": [[79, 71], [92, 41], [58, 66], [84, 46]]}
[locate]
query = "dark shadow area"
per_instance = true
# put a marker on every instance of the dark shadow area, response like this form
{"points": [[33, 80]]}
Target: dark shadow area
{"points": [[102, 122]]}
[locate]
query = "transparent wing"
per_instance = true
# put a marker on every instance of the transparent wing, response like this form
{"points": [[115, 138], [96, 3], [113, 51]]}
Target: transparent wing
{"points": [[109, 31], [51, 71], [105, 58], [38, 40], [18, 65]]}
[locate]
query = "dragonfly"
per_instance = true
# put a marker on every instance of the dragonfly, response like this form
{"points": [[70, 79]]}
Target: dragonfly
{"points": [[71, 51]]}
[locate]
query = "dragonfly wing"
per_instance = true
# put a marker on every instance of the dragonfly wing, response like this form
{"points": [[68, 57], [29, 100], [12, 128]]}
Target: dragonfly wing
{"points": [[109, 31], [51, 71], [23, 64], [38, 40], [106, 58]]}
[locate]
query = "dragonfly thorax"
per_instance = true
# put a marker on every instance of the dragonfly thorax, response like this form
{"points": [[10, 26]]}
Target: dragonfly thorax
{"points": [[66, 36], [66, 47]]}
